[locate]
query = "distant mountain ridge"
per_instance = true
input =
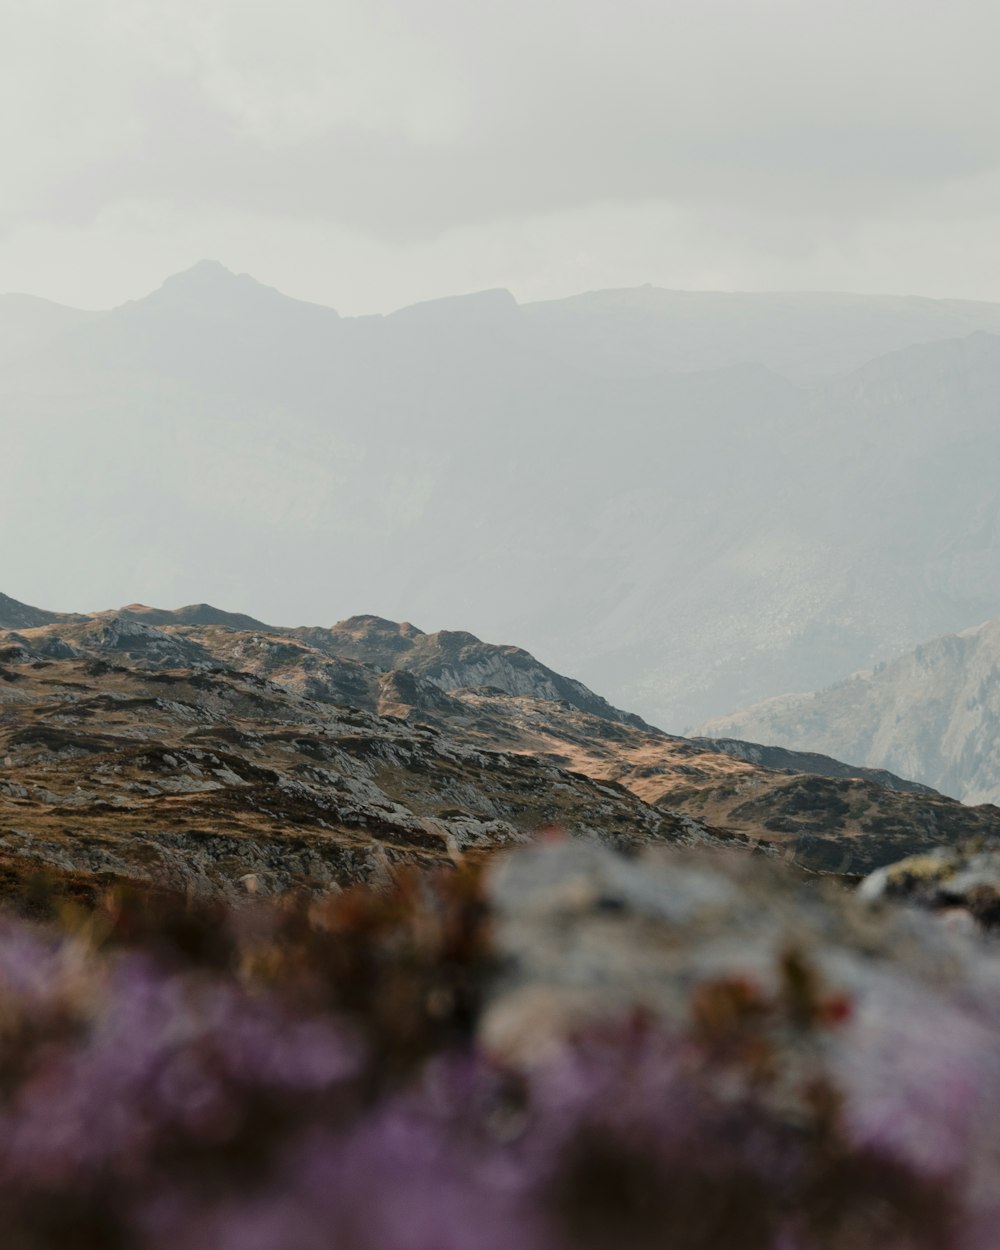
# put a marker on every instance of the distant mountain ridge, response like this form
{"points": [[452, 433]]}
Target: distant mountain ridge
{"points": [[193, 614], [933, 714], [646, 487], [621, 331], [799, 334], [28, 323]]}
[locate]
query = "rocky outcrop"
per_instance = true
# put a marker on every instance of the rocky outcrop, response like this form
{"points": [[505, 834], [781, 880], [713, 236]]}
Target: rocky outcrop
{"points": [[456, 660], [120, 762], [598, 935], [882, 1021]]}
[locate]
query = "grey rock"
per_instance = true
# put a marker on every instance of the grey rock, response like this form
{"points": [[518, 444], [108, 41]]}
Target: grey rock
{"points": [[586, 935]]}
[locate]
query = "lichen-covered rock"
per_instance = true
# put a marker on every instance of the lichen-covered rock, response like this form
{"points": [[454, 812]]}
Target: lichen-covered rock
{"points": [[944, 880]]}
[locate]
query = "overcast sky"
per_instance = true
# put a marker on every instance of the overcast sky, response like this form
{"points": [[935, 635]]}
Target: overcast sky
{"points": [[371, 153]]}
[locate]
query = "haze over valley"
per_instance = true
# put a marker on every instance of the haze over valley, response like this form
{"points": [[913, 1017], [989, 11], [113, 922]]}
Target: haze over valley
{"points": [[692, 500]]}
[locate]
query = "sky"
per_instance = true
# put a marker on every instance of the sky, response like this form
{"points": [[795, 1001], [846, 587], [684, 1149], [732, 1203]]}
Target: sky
{"points": [[369, 154]]}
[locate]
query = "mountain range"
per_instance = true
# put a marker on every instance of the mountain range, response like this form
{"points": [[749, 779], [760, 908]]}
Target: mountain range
{"points": [[694, 501], [207, 751], [933, 714]]}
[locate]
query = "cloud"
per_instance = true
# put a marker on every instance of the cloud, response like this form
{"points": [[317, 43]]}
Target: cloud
{"points": [[404, 124]]}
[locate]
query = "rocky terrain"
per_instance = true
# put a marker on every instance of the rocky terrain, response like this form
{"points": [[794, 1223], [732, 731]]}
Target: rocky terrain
{"points": [[448, 659], [209, 752], [221, 780], [932, 714]]}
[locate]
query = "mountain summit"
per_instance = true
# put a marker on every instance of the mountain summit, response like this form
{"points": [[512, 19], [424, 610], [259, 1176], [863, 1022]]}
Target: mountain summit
{"points": [[210, 284]]}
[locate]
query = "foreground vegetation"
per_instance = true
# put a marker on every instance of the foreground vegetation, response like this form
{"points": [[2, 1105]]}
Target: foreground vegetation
{"points": [[306, 1075]]}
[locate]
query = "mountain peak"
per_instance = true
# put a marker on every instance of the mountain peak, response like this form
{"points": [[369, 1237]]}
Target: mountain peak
{"points": [[208, 270], [211, 286], [210, 277], [366, 623]]}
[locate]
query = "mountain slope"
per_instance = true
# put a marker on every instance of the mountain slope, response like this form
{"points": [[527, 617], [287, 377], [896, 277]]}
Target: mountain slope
{"points": [[15, 615], [933, 714], [29, 324], [368, 662], [786, 760], [834, 821], [456, 659]]}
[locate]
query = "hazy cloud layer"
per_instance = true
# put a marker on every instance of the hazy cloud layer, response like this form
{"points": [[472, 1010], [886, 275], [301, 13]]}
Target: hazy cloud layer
{"points": [[370, 152]]}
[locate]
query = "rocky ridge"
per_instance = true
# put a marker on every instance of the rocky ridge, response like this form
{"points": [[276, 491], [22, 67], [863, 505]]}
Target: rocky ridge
{"points": [[223, 759], [220, 780], [449, 659]]}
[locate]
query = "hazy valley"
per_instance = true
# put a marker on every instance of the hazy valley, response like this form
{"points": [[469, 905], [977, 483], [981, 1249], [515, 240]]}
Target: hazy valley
{"points": [[773, 490]]}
